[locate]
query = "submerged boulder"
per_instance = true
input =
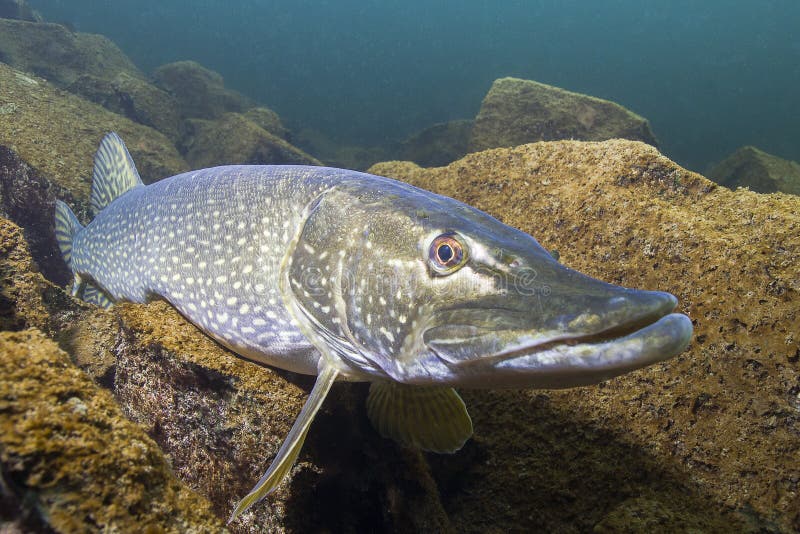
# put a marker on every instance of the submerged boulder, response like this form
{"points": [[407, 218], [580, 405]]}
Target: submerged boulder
{"points": [[57, 133], [59, 55], [19, 10], [200, 92], [235, 139], [269, 121], [755, 169], [439, 144], [132, 97], [28, 199], [516, 111], [90, 66], [707, 441], [70, 460], [28, 299]]}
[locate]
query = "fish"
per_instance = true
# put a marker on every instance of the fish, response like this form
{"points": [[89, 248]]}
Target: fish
{"points": [[355, 277]]}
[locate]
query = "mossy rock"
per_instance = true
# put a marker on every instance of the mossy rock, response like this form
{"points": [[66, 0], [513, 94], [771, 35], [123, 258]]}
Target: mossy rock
{"points": [[269, 121], [713, 433], [28, 199], [59, 55], [71, 461], [515, 112], [19, 10], [57, 133], [758, 171], [235, 139], [134, 98], [200, 92], [439, 144]]}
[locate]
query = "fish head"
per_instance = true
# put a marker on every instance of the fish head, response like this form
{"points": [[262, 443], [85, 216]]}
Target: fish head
{"points": [[422, 289]]}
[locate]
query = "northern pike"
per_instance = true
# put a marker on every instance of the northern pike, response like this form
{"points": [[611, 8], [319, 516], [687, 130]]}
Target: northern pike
{"points": [[350, 276]]}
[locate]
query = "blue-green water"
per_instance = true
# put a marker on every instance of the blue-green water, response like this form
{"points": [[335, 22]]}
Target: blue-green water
{"points": [[711, 76]]}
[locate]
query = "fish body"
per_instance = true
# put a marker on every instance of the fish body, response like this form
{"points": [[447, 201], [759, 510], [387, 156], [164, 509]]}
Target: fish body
{"points": [[352, 276]]}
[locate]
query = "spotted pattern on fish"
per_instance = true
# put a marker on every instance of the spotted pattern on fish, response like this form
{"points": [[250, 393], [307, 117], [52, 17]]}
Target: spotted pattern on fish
{"points": [[341, 274]]}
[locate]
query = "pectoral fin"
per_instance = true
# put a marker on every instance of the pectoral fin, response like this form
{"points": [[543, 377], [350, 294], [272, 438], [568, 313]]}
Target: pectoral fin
{"points": [[430, 418], [292, 444]]}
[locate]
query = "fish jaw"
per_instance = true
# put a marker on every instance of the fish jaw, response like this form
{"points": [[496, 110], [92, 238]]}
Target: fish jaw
{"points": [[579, 363], [626, 334]]}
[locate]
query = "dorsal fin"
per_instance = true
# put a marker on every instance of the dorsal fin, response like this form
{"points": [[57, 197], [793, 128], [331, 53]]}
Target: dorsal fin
{"points": [[114, 172]]}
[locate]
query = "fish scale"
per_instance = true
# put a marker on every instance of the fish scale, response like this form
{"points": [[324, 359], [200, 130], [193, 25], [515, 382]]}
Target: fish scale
{"points": [[206, 241], [352, 276]]}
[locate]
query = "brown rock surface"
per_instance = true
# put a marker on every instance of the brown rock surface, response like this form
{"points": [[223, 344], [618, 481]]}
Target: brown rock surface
{"points": [[27, 299], [712, 436], [58, 54], [221, 419], [439, 144], [18, 9], [755, 169], [133, 97], [28, 199], [57, 133], [517, 111], [269, 121], [200, 92], [70, 460], [235, 139], [90, 66]]}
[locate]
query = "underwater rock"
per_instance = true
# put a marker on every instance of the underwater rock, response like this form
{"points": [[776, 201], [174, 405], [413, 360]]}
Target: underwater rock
{"points": [[220, 419], [517, 111], [200, 92], [70, 460], [755, 169], [59, 55], [335, 154], [19, 10], [132, 97], [235, 139], [57, 133], [439, 144], [714, 432], [269, 121], [92, 67], [28, 199], [27, 299]]}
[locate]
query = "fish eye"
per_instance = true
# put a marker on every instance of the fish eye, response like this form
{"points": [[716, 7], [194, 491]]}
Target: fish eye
{"points": [[447, 253]]}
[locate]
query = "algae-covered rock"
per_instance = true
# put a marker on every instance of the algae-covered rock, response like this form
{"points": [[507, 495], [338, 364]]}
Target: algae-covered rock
{"points": [[344, 156], [222, 419], [439, 144], [132, 97], [70, 460], [200, 92], [755, 169], [18, 9], [58, 54], [517, 111], [90, 66], [235, 139], [57, 133], [27, 299], [28, 199], [269, 121], [712, 433]]}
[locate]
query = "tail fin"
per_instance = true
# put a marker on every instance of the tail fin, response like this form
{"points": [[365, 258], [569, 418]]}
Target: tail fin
{"points": [[67, 226], [114, 172]]}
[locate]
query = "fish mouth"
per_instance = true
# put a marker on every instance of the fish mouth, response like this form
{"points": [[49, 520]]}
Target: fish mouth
{"points": [[588, 348]]}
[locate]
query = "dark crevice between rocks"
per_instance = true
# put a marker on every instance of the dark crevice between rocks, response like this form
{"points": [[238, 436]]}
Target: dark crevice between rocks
{"points": [[18, 511], [28, 199]]}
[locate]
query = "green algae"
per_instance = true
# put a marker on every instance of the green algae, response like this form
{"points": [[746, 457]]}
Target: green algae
{"points": [[71, 456], [713, 433]]}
